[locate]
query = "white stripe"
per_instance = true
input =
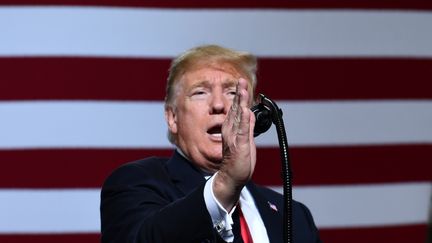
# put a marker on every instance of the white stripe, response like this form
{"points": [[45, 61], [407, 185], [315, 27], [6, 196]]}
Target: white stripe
{"points": [[53, 211], [77, 210], [82, 124], [354, 122], [367, 205], [57, 124], [141, 32]]}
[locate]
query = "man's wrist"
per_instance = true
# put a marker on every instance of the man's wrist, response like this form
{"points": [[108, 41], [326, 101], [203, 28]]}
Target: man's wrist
{"points": [[221, 218], [226, 191]]}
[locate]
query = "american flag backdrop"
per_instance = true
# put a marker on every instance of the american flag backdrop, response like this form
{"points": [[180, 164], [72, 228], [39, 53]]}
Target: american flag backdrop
{"points": [[82, 86]]}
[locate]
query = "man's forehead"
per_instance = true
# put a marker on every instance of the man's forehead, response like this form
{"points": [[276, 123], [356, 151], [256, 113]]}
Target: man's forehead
{"points": [[216, 66], [205, 76]]}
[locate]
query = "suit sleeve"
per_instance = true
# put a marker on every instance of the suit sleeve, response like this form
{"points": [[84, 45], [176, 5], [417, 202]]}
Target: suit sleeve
{"points": [[308, 229], [139, 205]]}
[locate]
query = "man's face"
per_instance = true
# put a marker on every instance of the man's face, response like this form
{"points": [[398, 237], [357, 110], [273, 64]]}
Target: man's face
{"points": [[202, 101]]}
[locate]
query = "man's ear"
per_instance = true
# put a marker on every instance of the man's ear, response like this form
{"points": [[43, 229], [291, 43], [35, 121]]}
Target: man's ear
{"points": [[171, 118]]}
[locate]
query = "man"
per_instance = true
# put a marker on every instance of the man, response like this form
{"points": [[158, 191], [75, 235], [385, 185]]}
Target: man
{"points": [[203, 193]]}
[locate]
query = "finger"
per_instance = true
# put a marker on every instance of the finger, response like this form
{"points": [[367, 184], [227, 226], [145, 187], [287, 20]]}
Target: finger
{"points": [[232, 120], [235, 111], [252, 125], [239, 110], [243, 93], [244, 112], [243, 117]]}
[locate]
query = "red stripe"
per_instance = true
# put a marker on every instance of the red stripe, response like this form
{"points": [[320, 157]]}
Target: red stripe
{"points": [[349, 78], [73, 168], [281, 78], [395, 234], [84, 78], [348, 165], [81, 168], [276, 4]]}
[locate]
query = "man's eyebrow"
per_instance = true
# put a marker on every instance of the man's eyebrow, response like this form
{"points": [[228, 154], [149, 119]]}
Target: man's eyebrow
{"points": [[204, 83], [229, 83]]}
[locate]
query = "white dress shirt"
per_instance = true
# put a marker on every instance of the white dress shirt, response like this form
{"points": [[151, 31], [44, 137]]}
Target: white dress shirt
{"points": [[222, 220]]}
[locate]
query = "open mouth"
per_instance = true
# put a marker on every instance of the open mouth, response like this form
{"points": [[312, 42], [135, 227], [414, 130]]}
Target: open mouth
{"points": [[215, 131]]}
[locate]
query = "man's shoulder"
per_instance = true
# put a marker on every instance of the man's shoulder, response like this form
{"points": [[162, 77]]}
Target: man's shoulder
{"points": [[138, 170], [277, 197], [146, 163], [268, 192]]}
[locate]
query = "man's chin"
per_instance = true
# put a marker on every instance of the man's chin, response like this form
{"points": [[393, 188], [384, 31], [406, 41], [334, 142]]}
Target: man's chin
{"points": [[216, 161]]}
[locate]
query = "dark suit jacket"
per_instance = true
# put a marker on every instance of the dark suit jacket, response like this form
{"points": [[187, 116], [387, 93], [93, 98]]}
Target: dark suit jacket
{"points": [[161, 200]]}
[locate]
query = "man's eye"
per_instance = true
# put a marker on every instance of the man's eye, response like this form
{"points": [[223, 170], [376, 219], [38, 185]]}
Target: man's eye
{"points": [[233, 93], [198, 93]]}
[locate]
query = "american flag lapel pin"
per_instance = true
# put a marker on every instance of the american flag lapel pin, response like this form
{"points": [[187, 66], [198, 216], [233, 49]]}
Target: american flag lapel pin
{"points": [[272, 206]]}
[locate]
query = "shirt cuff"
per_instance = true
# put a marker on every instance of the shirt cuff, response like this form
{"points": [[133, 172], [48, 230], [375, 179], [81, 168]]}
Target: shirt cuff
{"points": [[222, 220]]}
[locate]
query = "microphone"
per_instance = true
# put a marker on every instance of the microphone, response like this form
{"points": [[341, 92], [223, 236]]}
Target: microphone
{"points": [[267, 112], [263, 116]]}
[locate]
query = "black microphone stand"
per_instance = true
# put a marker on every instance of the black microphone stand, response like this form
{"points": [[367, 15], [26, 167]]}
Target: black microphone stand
{"points": [[266, 113]]}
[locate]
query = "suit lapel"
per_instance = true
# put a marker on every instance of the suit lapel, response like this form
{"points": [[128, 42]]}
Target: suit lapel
{"points": [[272, 218], [187, 177], [184, 174]]}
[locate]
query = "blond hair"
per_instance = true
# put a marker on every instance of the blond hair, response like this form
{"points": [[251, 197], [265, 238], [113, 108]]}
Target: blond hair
{"points": [[208, 55]]}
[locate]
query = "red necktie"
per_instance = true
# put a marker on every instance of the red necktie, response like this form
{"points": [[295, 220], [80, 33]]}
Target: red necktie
{"points": [[244, 229]]}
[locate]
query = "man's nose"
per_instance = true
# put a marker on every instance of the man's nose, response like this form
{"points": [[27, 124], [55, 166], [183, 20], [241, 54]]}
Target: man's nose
{"points": [[219, 104]]}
